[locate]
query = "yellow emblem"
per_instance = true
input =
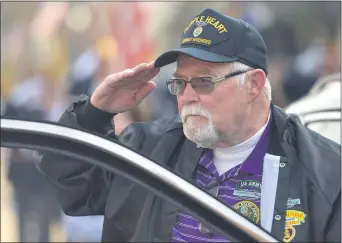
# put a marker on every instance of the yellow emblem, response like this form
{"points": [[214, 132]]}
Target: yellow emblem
{"points": [[295, 217], [289, 233], [248, 210]]}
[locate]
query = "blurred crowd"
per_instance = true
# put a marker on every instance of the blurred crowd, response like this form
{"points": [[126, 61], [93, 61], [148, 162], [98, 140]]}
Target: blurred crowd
{"points": [[54, 52]]}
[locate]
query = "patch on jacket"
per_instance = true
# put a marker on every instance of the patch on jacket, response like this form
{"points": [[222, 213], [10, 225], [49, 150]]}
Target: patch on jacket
{"points": [[295, 217], [249, 210], [290, 233], [293, 202]]}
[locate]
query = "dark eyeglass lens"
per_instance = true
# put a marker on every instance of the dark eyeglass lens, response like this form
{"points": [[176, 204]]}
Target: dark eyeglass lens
{"points": [[202, 85], [176, 86]]}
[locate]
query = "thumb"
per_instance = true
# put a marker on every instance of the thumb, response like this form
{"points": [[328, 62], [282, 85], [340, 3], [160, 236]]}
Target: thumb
{"points": [[144, 91]]}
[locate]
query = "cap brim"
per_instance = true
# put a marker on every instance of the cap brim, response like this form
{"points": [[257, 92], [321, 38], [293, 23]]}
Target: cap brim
{"points": [[203, 55]]}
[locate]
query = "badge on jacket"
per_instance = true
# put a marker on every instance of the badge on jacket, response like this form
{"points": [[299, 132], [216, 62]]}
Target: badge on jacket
{"points": [[295, 217], [293, 202], [290, 233], [249, 210]]}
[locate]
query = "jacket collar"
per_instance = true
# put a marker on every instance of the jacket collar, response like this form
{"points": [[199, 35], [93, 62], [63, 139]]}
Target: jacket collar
{"points": [[188, 159], [278, 128], [280, 118]]}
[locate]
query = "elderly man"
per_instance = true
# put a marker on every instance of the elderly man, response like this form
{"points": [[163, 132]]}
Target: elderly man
{"points": [[229, 140]]}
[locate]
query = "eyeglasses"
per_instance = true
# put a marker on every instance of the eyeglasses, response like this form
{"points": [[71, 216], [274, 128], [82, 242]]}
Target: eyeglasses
{"points": [[201, 85]]}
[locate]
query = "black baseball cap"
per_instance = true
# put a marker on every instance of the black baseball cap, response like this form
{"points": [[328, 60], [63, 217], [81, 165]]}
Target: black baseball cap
{"points": [[215, 37]]}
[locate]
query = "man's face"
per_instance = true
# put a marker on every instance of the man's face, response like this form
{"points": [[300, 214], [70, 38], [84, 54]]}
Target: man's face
{"points": [[209, 119]]}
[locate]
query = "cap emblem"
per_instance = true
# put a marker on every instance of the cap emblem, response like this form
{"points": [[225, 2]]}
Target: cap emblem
{"points": [[199, 29]]}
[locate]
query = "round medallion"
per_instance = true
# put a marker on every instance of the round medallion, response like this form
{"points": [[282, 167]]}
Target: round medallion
{"points": [[289, 233], [249, 210], [198, 31]]}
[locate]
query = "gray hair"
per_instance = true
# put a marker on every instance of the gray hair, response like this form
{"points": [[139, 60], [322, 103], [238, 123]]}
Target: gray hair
{"points": [[237, 66]]}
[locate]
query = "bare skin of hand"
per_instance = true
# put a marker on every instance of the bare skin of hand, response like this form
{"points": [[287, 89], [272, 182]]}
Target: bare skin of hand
{"points": [[125, 90]]}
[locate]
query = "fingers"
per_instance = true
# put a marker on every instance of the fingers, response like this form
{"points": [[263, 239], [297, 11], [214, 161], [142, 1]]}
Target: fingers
{"points": [[144, 91], [143, 72], [138, 77], [142, 68], [139, 74], [145, 66], [147, 75]]}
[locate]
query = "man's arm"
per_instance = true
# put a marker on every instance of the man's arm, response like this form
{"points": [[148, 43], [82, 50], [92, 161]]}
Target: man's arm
{"points": [[82, 188]]}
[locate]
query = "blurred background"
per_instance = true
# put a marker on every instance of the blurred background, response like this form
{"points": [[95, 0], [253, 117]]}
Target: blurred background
{"points": [[51, 52]]}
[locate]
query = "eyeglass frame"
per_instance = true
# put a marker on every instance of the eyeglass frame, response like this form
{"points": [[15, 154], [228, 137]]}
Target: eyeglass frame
{"points": [[214, 80]]}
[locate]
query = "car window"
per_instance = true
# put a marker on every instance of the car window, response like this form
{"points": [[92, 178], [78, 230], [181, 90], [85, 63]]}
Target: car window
{"points": [[123, 207], [29, 205]]}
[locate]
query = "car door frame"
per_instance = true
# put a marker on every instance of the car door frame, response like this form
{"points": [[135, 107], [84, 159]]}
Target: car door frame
{"points": [[100, 151]]}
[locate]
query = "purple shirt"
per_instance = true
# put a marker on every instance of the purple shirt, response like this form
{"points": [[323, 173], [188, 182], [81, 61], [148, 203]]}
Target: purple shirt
{"points": [[239, 188]]}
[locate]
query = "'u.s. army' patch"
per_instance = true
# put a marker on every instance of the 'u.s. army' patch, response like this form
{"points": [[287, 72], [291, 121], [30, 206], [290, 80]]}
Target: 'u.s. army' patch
{"points": [[251, 184]]}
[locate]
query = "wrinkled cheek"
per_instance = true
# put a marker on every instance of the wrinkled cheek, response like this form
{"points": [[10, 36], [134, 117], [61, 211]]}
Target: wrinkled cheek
{"points": [[224, 124], [226, 117]]}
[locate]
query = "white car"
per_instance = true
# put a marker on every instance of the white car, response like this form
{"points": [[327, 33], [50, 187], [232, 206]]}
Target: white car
{"points": [[320, 109]]}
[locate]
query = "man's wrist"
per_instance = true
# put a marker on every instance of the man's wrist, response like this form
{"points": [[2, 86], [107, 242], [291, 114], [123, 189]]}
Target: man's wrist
{"points": [[92, 118]]}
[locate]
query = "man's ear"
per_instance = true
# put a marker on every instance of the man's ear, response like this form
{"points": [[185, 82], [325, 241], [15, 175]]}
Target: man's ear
{"points": [[257, 80]]}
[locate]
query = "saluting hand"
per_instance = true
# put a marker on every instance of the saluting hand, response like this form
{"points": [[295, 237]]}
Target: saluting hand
{"points": [[125, 90]]}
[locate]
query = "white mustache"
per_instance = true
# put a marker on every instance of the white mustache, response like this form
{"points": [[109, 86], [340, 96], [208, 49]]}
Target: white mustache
{"points": [[194, 109]]}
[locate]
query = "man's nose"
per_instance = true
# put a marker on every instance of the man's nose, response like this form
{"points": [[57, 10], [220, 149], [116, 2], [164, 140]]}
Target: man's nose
{"points": [[189, 94]]}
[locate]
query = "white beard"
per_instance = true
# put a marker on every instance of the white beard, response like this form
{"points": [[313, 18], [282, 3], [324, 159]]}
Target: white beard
{"points": [[204, 136]]}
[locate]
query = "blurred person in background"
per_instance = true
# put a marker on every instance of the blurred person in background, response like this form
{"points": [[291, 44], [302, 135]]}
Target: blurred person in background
{"points": [[222, 126], [319, 59], [85, 74], [324, 97], [35, 203], [2, 106], [82, 229]]}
